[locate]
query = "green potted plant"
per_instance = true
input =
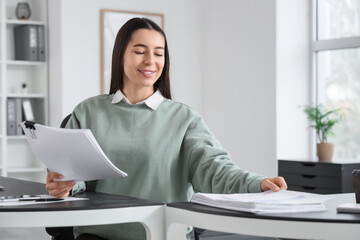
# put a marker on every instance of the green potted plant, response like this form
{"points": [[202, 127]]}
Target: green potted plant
{"points": [[323, 121]]}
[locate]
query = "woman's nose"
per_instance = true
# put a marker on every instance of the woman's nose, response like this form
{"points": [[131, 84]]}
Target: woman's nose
{"points": [[149, 59]]}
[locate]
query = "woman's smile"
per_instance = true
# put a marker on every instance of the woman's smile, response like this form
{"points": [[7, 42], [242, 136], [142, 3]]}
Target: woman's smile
{"points": [[147, 73]]}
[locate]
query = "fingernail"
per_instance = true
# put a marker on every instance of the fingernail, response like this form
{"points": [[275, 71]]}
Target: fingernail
{"points": [[61, 177], [277, 189], [73, 182]]}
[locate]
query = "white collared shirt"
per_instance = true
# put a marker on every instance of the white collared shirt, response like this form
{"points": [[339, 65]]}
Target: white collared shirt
{"points": [[152, 102]]}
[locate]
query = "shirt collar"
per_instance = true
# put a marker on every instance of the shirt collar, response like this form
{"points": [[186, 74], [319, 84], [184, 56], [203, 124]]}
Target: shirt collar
{"points": [[152, 102]]}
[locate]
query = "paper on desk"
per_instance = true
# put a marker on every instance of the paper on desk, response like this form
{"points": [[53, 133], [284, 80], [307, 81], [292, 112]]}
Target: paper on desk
{"points": [[74, 153], [17, 203], [348, 208], [284, 201]]}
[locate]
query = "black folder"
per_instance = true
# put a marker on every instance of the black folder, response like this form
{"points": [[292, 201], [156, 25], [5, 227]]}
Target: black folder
{"points": [[26, 43], [41, 43], [11, 117]]}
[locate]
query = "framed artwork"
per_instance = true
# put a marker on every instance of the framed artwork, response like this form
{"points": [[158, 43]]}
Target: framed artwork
{"points": [[111, 22]]}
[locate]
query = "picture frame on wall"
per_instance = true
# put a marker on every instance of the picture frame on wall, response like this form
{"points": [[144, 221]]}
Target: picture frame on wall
{"points": [[111, 22]]}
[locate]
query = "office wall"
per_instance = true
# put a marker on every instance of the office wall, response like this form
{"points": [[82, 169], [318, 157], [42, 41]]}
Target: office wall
{"points": [[74, 34], [224, 64], [293, 79], [239, 79]]}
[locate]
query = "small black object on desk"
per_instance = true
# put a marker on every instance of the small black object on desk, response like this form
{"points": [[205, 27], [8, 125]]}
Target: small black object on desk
{"points": [[356, 178]]}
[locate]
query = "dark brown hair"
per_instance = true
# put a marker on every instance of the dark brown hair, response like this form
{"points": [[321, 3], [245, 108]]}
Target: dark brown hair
{"points": [[123, 37]]}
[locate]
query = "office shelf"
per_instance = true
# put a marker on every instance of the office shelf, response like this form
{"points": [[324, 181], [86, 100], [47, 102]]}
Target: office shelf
{"points": [[18, 137], [24, 22], [24, 63], [26, 95], [20, 81]]}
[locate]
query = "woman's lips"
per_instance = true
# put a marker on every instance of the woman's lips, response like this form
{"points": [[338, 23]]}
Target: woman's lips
{"points": [[147, 73]]}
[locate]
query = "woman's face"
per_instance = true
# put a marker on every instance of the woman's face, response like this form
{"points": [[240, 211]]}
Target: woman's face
{"points": [[144, 59]]}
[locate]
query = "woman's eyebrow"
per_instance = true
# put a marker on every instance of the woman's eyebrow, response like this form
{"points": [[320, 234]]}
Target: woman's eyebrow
{"points": [[144, 46]]}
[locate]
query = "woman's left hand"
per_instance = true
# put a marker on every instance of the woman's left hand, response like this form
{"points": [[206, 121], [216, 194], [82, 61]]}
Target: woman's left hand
{"points": [[275, 184]]}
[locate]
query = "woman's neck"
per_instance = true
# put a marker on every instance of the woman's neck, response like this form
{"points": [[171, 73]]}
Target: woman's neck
{"points": [[137, 95]]}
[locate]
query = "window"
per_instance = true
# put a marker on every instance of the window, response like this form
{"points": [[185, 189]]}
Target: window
{"points": [[336, 68]]}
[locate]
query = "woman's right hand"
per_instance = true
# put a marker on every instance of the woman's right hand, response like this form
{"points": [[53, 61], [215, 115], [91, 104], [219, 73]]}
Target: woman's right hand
{"points": [[59, 189]]}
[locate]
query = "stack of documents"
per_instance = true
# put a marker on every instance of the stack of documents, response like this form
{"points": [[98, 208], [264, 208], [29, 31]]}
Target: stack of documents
{"points": [[284, 201], [74, 153]]}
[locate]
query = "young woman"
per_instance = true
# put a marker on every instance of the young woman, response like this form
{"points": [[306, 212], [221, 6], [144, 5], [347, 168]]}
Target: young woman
{"points": [[165, 146]]}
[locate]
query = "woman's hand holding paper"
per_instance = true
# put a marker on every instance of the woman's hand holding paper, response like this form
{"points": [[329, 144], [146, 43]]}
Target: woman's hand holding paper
{"points": [[59, 189]]}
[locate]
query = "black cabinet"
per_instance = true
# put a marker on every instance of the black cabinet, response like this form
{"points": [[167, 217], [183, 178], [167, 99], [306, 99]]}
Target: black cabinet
{"points": [[318, 177]]}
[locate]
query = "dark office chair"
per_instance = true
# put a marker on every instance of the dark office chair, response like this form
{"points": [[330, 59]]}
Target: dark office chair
{"points": [[198, 232], [61, 233], [64, 121]]}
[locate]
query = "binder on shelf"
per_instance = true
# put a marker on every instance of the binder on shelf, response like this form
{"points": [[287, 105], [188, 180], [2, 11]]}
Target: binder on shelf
{"points": [[28, 111], [11, 117], [41, 43], [26, 43], [18, 116]]}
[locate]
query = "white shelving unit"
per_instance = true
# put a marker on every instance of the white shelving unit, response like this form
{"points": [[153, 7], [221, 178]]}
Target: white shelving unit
{"points": [[17, 160]]}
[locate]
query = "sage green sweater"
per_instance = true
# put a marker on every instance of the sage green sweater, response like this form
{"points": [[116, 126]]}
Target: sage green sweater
{"points": [[168, 153]]}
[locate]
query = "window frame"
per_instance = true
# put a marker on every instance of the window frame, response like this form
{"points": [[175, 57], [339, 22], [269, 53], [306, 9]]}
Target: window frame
{"points": [[317, 46]]}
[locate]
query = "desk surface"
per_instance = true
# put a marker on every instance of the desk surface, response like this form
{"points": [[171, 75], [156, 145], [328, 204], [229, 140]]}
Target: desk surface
{"points": [[313, 225], [96, 200], [330, 215], [109, 209], [99, 209]]}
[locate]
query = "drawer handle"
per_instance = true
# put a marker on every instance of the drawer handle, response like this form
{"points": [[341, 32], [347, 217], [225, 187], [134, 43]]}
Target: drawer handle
{"points": [[308, 164], [309, 188], [308, 176]]}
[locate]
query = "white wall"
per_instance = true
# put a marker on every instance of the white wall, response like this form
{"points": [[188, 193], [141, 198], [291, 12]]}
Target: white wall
{"points": [[293, 78], [74, 36], [224, 64], [239, 84]]}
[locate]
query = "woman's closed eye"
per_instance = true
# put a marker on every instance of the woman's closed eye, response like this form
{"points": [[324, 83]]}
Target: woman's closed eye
{"points": [[156, 54]]}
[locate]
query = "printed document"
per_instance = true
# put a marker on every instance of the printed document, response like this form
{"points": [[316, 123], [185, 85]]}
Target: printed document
{"points": [[36, 198], [284, 201], [74, 153]]}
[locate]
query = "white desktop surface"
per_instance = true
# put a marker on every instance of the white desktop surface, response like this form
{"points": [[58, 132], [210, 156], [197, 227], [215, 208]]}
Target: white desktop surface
{"points": [[152, 218], [169, 222], [99, 209], [322, 225]]}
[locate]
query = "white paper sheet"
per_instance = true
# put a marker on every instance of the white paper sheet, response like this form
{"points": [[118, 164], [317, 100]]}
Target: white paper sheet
{"points": [[349, 208], [74, 153]]}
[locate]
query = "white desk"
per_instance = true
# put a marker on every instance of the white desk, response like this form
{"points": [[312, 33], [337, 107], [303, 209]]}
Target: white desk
{"points": [[110, 209], [99, 209], [321, 225]]}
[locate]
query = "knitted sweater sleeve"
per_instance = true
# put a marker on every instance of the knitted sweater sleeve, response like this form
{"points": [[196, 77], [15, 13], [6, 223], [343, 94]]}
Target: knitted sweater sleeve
{"points": [[211, 169]]}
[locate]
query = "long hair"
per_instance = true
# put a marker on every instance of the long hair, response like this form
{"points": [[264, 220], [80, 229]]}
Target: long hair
{"points": [[123, 37]]}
